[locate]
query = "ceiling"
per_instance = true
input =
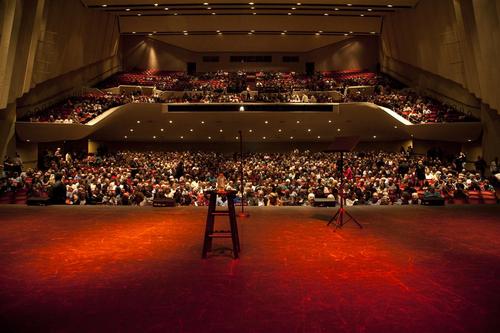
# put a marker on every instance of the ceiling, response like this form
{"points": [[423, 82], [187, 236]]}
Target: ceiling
{"points": [[260, 19]]}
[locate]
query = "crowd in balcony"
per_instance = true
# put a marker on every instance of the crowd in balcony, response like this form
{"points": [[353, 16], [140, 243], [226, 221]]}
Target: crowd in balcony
{"points": [[293, 178], [82, 109], [242, 87]]}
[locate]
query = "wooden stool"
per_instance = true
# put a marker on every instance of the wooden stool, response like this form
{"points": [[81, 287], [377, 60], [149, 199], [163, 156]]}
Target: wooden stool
{"points": [[210, 233]]}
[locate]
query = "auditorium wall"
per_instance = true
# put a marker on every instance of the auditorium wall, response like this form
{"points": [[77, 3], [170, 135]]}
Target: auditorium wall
{"points": [[454, 39], [48, 48], [353, 53]]}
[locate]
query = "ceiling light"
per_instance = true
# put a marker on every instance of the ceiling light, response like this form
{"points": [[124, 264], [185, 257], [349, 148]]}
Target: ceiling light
{"points": [[175, 14], [326, 14], [252, 30], [346, 34], [156, 5], [202, 121], [254, 13], [209, 7], [166, 8], [264, 137], [139, 14], [191, 130], [298, 4], [236, 138], [154, 136], [104, 5], [150, 34], [319, 137], [252, 7], [185, 34], [467, 140], [298, 121], [279, 130], [213, 13], [249, 33], [251, 3], [209, 138], [162, 129], [350, 32], [349, 4], [220, 33], [125, 137], [317, 34], [220, 130], [338, 129], [128, 9], [283, 33], [170, 121], [289, 13], [374, 136], [138, 121], [131, 130], [336, 9], [291, 138], [293, 8], [369, 9], [395, 127], [309, 130], [182, 137], [362, 15], [250, 130], [28, 140], [372, 32], [330, 121], [321, 31], [242, 108], [133, 32], [205, 3], [390, 6]]}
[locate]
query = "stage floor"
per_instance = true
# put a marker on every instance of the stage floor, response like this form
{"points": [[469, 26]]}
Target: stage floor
{"points": [[125, 269]]}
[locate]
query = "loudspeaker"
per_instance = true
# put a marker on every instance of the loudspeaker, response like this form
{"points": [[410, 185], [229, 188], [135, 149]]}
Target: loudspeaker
{"points": [[310, 68], [191, 68]]}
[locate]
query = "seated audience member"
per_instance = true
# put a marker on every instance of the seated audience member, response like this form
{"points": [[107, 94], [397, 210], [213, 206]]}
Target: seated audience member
{"points": [[58, 191]]}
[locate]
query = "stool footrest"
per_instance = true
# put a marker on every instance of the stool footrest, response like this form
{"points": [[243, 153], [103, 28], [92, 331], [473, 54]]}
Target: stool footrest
{"points": [[220, 213], [221, 235]]}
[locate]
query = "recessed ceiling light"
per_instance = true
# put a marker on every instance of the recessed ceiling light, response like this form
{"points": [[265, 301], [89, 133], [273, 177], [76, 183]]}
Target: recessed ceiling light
{"points": [[209, 7], [254, 13], [125, 137], [191, 130], [389, 6], [154, 136], [104, 5], [156, 5], [250, 130], [289, 13], [131, 130], [133, 32], [170, 121], [138, 121], [128, 9], [236, 138], [249, 33], [209, 138], [266, 122], [182, 137], [264, 137], [291, 137], [139, 14], [205, 3], [202, 121], [298, 121], [338, 129], [319, 137], [293, 8], [349, 4], [166, 8], [369, 9], [251, 3], [298, 4], [283, 33], [336, 9], [362, 15], [330, 121], [162, 129], [326, 14], [346, 34], [213, 13], [220, 130], [279, 130], [309, 130]]}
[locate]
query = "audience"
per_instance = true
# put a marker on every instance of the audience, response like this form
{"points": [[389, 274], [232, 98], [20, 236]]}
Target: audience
{"points": [[278, 179]]}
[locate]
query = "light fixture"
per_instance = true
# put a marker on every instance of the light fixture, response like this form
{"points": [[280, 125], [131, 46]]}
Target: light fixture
{"points": [[175, 14], [317, 34], [372, 32], [395, 127], [249, 33], [182, 137], [166, 8], [390, 6], [170, 121], [156, 5], [293, 8], [374, 136], [369, 9], [349, 4], [279, 130], [298, 121], [336, 9], [128, 9], [362, 15], [266, 122], [338, 129], [346, 34], [28, 140], [250, 131], [289, 13], [133, 32], [125, 137], [252, 30], [251, 3], [291, 138], [219, 33], [208, 8], [254, 13], [242, 108], [298, 4], [330, 121], [319, 137], [205, 3], [220, 130], [150, 34], [326, 14], [236, 138], [185, 34], [191, 130], [202, 121], [283, 33], [321, 31], [104, 5], [209, 138], [264, 137], [252, 7], [138, 121], [162, 129], [309, 130], [139, 14], [154, 136], [131, 130], [213, 13], [469, 140]]}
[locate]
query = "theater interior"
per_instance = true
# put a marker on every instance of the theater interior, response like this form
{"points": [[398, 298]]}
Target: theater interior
{"points": [[236, 166]]}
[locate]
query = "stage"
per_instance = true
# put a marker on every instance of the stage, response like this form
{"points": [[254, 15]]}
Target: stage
{"points": [[131, 269]]}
